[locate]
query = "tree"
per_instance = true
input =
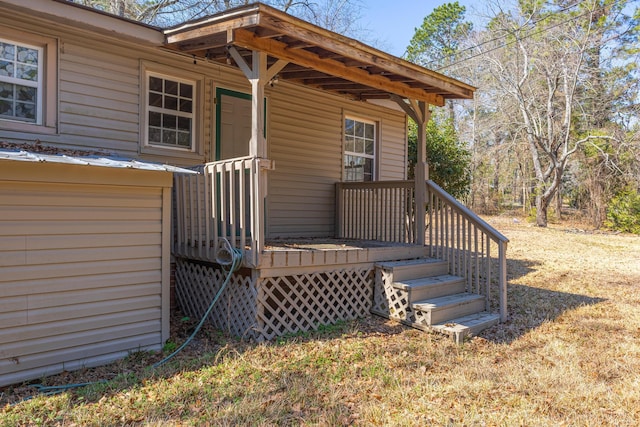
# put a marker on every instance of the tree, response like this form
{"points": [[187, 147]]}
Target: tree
{"points": [[341, 16], [543, 76], [449, 159], [436, 43]]}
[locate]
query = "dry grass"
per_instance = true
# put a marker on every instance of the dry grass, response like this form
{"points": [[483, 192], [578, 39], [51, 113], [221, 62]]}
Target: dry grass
{"points": [[570, 355]]}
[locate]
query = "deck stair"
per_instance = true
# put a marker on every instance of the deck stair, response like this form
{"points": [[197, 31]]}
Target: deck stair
{"points": [[421, 293]]}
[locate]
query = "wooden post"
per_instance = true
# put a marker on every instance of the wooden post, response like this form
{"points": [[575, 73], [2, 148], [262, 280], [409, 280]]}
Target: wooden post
{"points": [[421, 172], [502, 280], [419, 112], [258, 143], [258, 75]]}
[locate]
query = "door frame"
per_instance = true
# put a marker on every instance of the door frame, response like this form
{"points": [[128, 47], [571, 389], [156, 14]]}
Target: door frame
{"points": [[220, 91]]}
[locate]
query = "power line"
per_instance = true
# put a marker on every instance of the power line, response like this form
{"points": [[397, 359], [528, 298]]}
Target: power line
{"points": [[521, 38], [501, 37]]}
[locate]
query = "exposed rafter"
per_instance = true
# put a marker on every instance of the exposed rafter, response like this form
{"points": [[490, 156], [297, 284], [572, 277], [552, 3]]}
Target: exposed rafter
{"points": [[307, 54]]}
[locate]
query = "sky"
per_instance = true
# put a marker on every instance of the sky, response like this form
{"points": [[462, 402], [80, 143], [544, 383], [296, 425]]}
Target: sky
{"points": [[393, 22]]}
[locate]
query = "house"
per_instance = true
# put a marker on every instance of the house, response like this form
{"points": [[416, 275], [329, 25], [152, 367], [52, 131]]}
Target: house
{"points": [[299, 138]]}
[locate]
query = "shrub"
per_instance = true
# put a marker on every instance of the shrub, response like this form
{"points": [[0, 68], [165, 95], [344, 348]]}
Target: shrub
{"points": [[623, 212]]}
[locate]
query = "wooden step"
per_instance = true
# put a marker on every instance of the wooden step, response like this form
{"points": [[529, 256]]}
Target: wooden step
{"points": [[467, 326], [431, 287], [415, 268], [443, 309]]}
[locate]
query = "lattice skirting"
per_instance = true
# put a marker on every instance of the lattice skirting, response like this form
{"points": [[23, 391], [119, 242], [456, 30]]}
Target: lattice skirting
{"points": [[270, 307], [235, 312], [389, 301]]}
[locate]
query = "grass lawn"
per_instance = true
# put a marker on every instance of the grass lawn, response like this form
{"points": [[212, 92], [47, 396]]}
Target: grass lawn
{"points": [[569, 355]]}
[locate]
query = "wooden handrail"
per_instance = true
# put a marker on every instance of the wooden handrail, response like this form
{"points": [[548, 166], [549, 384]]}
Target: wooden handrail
{"points": [[461, 237], [468, 213], [388, 211]]}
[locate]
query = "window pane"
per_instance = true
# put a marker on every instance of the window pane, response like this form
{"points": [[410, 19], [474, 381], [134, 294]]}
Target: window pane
{"points": [[186, 90], [171, 103], [155, 119], [359, 147], [155, 135], [6, 68], [169, 121], [368, 147], [348, 143], [26, 111], [170, 87], [348, 127], [353, 166], [368, 131], [184, 124], [26, 93], [6, 108], [359, 130], [7, 51], [169, 137], [27, 72], [155, 84], [27, 55], [6, 90], [368, 170], [155, 99], [186, 105], [184, 139]]}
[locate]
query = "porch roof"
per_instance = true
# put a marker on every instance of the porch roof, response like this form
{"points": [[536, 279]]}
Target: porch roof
{"points": [[316, 57]]}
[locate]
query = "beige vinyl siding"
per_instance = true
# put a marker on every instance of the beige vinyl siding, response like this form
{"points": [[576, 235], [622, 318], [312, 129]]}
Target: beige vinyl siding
{"points": [[305, 141], [99, 99], [83, 266], [99, 109]]}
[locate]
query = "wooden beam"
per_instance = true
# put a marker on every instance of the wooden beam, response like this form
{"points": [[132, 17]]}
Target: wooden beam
{"points": [[242, 64], [189, 33], [248, 40], [276, 68], [353, 49], [407, 108]]}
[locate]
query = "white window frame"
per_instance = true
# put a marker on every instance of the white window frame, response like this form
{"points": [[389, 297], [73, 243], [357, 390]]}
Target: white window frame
{"points": [[345, 152], [46, 86], [193, 116]]}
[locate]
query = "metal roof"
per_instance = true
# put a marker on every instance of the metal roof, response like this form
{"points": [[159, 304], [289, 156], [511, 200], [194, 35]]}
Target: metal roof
{"points": [[107, 162]]}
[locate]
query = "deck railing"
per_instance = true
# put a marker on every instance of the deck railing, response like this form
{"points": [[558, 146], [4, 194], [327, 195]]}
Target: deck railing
{"points": [[220, 202], [385, 210], [377, 210], [457, 235]]}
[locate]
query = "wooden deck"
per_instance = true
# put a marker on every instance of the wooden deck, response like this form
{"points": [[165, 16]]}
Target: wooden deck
{"points": [[282, 254]]}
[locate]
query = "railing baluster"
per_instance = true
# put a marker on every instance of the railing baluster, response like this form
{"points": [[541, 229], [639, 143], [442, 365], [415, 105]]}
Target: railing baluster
{"points": [[191, 214], [198, 213], [477, 267], [180, 208], [463, 239], [469, 259], [242, 201], [215, 190], [488, 269]]}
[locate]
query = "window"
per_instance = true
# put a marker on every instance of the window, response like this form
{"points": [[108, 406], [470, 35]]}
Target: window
{"points": [[171, 106], [21, 82], [359, 150]]}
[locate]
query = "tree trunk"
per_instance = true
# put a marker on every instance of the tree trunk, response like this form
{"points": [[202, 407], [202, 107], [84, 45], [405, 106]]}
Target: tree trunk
{"points": [[542, 206], [559, 201]]}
